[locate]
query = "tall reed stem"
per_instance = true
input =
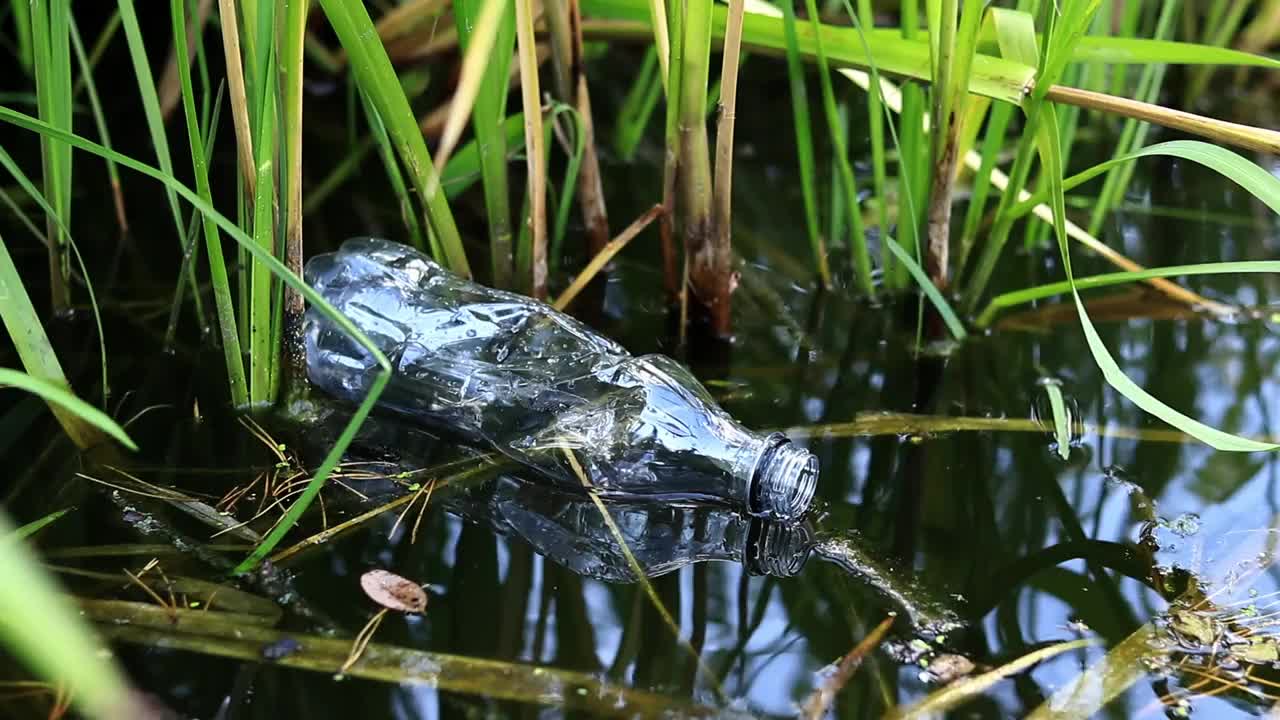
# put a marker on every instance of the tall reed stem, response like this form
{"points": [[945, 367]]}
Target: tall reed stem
{"points": [[295, 28], [709, 264], [526, 49]]}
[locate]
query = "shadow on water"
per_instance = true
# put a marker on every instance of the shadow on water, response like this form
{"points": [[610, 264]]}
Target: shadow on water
{"points": [[943, 499]]}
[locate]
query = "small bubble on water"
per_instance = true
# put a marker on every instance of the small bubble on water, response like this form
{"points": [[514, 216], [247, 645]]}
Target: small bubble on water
{"points": [[1185, 525]]}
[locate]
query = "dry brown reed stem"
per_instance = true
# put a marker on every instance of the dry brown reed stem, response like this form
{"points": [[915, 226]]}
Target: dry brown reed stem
{"points": [[815, 708], [235, 86], [722, 186], [602, 258]]}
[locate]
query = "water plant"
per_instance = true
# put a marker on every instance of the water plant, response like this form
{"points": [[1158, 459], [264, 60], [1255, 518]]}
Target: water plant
{"points": [[896, 159]]}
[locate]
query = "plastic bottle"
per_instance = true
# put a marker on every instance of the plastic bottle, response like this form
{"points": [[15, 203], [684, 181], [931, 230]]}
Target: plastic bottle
{"points": [[537, 385]]}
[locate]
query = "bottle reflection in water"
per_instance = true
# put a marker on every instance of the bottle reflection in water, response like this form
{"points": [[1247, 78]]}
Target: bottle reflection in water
{"points": [[662, 537], [540, 387]]}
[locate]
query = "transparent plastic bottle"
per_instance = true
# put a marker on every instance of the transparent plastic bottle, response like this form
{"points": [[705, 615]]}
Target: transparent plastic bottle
{"points": [[542, 388]]}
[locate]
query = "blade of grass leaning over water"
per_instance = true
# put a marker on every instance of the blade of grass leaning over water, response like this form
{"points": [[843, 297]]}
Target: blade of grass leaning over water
{"points": [[332, 459], [1269, 187], [29, 187], [59, 397], [45, 632], [1027, 295], [213, 243], [376, 76], [34, 349]]}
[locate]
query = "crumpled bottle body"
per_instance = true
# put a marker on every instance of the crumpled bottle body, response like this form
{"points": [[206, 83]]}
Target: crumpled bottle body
{"points": [[537, 385]]}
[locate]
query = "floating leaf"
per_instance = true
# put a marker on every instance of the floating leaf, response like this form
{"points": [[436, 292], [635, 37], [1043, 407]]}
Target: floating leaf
{"points": [[393, 592]]}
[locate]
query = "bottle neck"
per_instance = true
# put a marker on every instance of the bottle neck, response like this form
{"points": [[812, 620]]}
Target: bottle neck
{"points": [[783, 480]]}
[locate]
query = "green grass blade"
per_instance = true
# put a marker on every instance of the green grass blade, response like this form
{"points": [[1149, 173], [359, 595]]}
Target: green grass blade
{"points": [[51, 45], [804, 143], [564, 202], [159, 141], [866, 18], [43, 630], [1135, 132], [1248, 175], [637, 108], [34, 349], [487, 118], [1048, 143], [6, 161], [375, 75], [386, 151], [1139, 51], [1039, 292], [56, 395], [262, 353], [217, 266], [35, 526], [362, 411], [1061, 417], [22, 31], [848, 185], [99, 119]]}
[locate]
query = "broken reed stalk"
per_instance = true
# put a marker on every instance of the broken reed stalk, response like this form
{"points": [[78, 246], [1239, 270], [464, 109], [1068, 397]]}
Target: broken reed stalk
{"points": [[536, 159], [708, 267], [723, 187]]}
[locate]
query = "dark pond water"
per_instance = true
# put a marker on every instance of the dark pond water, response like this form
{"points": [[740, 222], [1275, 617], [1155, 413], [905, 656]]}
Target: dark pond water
{"points": [[976, 532]]}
